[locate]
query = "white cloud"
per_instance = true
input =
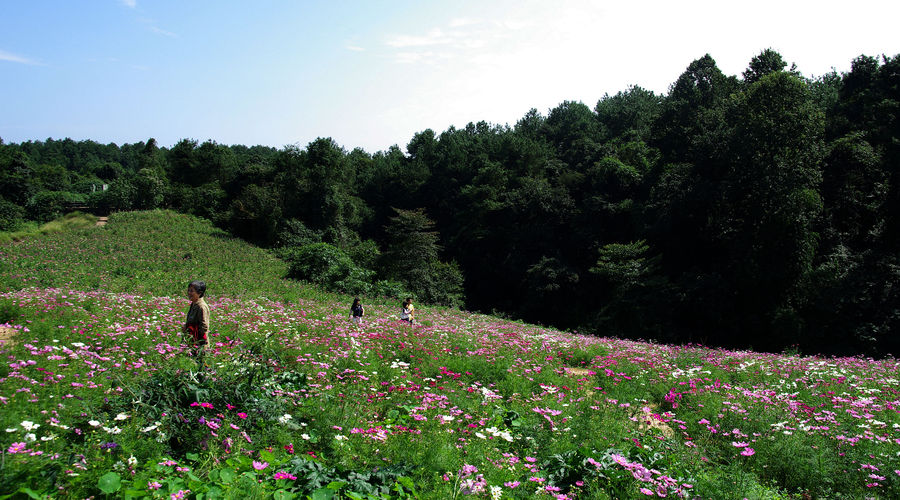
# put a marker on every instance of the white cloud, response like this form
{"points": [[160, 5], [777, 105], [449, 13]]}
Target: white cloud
{"points": [[160, 31], [354, 48], [463, 21], [129, 3], [7, 56]]}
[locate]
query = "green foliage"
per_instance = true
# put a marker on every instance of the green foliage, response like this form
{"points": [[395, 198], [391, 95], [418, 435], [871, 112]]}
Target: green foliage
{"points": [[11, 215], [48, 205], [327, 265]]}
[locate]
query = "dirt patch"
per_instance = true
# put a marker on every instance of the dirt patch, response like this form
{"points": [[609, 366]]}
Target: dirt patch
{"points": [[101, 221], [6, 335], [648, 419], [578, 372]]}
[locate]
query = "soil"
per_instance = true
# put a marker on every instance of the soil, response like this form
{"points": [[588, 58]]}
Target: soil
{"points": [[6, 335]]}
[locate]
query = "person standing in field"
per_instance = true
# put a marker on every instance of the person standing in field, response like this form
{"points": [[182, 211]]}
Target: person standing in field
{"points": [[196, 326], [357, 311], [408, 311]]}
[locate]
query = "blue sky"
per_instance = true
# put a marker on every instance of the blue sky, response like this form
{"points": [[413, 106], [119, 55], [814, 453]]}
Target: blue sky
{"points": [[371, 74]]}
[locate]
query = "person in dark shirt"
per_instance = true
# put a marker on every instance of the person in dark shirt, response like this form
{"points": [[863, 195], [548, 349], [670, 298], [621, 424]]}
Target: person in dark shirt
{"points": [[196, 325], [357, 311]]}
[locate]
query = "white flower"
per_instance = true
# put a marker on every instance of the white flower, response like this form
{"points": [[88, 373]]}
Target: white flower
{"points": [[51, 437], [13, 429], [121, 416], [496, 492], [151, 427], [285, 418], [29, 425], [340, 437], [30, 437], [94, 423], [305, 436], [112, 430], [482, 436], [132, 461]]}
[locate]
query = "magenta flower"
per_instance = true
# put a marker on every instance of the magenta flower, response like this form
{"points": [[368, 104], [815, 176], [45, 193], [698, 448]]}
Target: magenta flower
{"points": [[748, 452], [511, 484], [284, 475], [647, 492], [260, 465], [16, 448], [739, 445]]}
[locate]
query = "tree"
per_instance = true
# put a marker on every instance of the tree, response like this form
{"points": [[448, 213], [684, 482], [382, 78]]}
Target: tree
{"points": [[150, 189], [768, 61], [411, 258], [769, 198]]}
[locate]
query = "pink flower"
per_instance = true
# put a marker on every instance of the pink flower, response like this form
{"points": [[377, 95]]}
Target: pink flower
{"points": [[647, 492], [260, 465], [739, 445], [153, 485], [511, 484], [284, 475], [16, 448], [242, 415], [748, 452]]}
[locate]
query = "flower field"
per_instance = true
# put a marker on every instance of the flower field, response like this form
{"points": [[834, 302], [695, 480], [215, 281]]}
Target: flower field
{"points": [[98, 396]]}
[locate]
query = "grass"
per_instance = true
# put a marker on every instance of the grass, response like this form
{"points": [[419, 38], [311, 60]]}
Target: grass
{"points": [[73, 220], [100, 398]]}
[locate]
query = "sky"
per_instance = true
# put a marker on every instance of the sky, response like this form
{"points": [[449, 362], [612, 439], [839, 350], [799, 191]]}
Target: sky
{"points": [[371, 74]]}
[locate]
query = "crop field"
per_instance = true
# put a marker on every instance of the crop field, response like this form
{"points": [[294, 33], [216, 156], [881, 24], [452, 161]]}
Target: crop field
{"points": [[99, 397]]}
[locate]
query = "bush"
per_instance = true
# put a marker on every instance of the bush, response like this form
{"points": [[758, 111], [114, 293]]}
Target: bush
{"points": [[294, 233], [11, 215], [329, 266], [48, 205]]}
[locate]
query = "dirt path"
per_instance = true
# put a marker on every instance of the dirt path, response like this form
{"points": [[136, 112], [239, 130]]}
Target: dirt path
{"points": [[6, 335], [101, 221]]}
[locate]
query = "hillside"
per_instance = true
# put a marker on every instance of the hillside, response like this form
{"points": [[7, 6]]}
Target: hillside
{"points": [[99, 395]]}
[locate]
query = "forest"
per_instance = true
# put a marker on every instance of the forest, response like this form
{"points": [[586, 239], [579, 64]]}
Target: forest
{"points": [[757, 211]]}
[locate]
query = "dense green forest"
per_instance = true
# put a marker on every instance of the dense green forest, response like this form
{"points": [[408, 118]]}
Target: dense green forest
{"points": [[755, 211]]}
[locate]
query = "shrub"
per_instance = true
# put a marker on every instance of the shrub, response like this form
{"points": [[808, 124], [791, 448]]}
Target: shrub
{"points": [[48, 205], [327, 265], [11, 215]]}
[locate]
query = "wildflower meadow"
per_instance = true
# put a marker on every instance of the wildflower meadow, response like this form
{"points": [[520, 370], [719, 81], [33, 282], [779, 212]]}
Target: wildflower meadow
{"points": [[99, 397]]}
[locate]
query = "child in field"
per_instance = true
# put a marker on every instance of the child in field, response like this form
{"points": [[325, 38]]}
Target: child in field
{"points": [[357, 311], [196, 326], [408, 311]]}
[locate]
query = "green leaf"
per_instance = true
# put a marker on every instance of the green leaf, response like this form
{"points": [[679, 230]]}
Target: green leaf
{"points": [[227, 475], [336, 485], [323, 494], [110, 483], [406, 482], [28, 491], [193, 457], [282, 495], [266, 456]]}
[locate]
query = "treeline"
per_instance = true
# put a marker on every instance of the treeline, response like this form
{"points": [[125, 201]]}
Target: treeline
{"points": [[754, 211]]}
